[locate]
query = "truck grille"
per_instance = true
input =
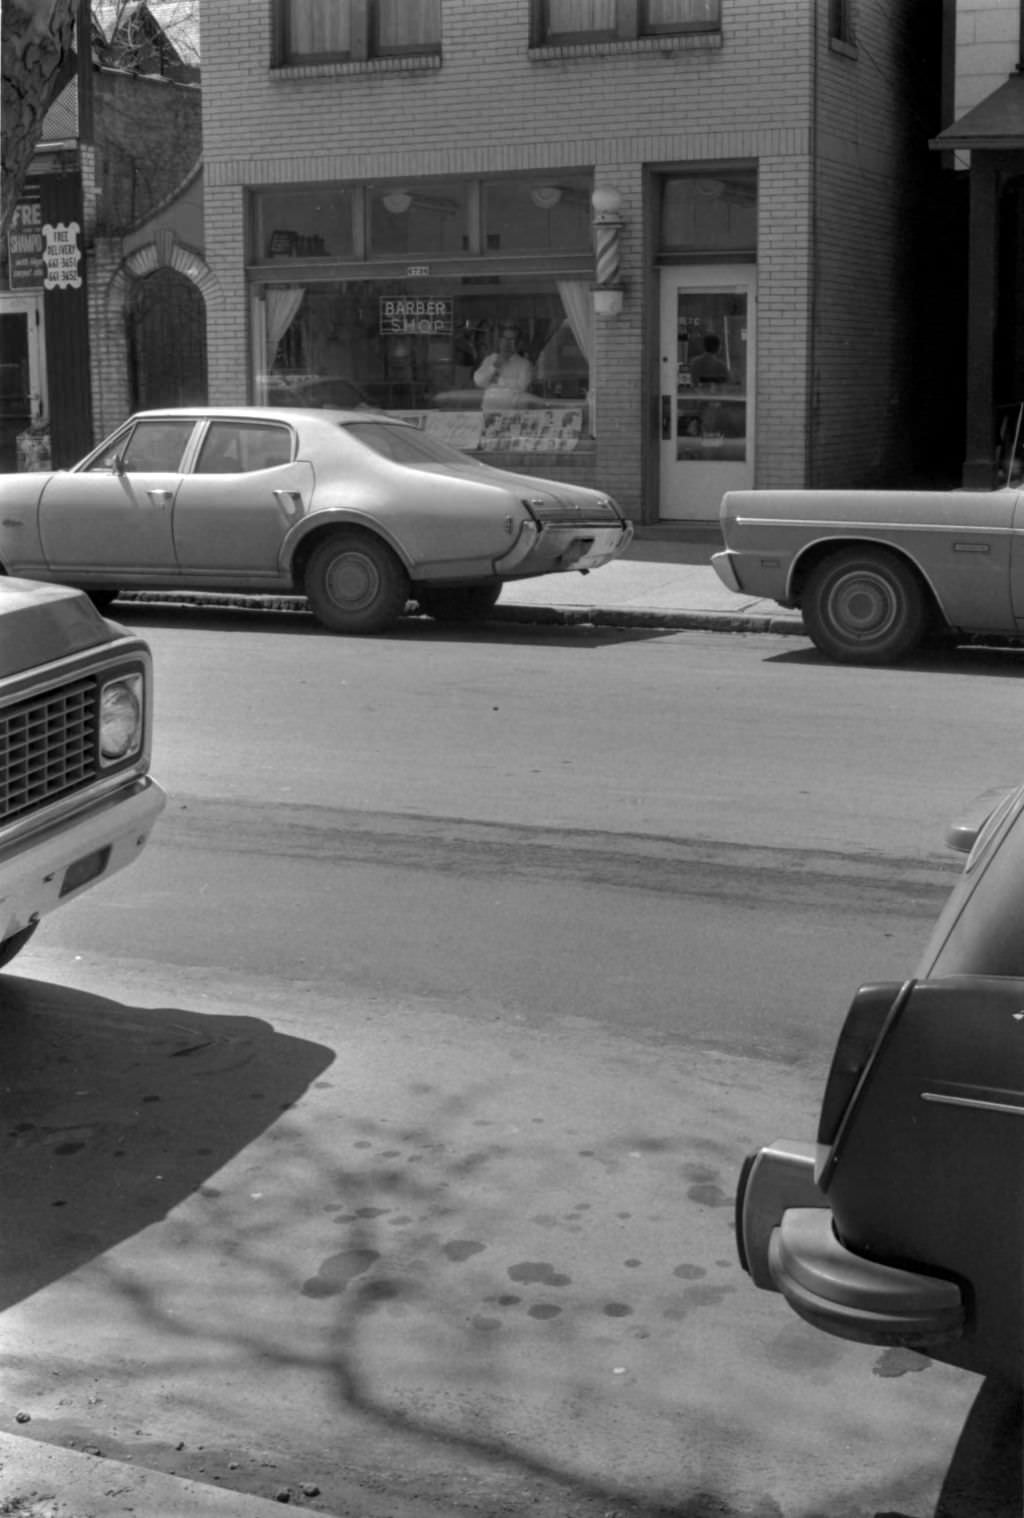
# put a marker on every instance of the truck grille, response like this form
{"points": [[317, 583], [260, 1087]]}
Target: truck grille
{"points": [[48, 748]]}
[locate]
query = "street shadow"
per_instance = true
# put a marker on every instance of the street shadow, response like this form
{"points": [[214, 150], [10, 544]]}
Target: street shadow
{"points": [[531, 627], [985, 1477], [113, 1114], [1004, 660]]}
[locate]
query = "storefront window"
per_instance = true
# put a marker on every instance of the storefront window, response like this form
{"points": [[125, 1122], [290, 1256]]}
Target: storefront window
{"points": [[498, 368], [426, 216], [545, 214], [304, 224], [710, 212]]}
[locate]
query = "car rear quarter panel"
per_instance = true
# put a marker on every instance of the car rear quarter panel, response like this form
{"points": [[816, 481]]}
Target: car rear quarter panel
{"points": [[960, 542]]}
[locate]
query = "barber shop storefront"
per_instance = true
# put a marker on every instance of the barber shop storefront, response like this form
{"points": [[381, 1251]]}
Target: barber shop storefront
{"points": [[463, 305]]}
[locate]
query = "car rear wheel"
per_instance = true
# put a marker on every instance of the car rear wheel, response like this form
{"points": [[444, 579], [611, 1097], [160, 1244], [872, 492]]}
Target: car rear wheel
{"points": [[13, 945], [458, 603], [355, 584], [864, 606]]}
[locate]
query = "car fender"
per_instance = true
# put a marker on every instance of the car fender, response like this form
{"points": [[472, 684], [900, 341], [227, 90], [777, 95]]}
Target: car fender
{"points": [[317, 522], [811, 554]]}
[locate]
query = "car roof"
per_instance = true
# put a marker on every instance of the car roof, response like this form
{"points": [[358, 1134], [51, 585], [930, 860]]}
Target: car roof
{"points": [[294, 414]]}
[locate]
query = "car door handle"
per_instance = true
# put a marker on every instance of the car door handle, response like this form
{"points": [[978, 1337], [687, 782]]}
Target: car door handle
{"points": [[159, 497]]}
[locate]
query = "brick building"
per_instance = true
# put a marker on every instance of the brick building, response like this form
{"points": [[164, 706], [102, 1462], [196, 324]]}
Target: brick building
{"points": [[395, 189]]}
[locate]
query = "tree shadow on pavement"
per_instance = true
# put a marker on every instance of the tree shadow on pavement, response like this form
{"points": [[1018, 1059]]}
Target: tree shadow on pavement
{"points": [[113, 1114]]}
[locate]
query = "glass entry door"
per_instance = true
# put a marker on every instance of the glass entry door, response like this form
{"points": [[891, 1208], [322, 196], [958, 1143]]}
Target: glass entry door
{"points": [[706, 368]]}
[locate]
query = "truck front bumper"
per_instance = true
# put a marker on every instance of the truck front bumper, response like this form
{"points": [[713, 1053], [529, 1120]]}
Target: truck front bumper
{"points": [[50, 867], [787, 1243]]}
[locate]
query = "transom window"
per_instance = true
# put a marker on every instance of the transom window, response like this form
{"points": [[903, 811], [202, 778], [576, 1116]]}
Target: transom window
{"points": [[621, 20], [329, 31]]}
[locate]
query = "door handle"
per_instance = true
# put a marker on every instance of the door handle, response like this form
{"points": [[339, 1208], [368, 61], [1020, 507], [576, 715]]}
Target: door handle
{"points": [[666, 419], [159, 497]]}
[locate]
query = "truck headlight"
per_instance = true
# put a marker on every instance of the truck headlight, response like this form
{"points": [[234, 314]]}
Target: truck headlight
{"points": [[121, 718]]}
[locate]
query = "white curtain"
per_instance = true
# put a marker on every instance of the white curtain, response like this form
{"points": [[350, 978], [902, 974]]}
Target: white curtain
{"points": [[579, 310], [581, 16], [408, 23], [318, 26], [283, 302]]}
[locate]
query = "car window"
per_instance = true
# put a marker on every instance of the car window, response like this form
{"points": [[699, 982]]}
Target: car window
{"points": [[155, 447], [232, 447], [405, 445]]}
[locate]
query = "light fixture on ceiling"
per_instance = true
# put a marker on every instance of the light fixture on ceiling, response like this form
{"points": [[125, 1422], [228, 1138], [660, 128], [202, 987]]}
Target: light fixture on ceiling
{"points": [[396, 201], [545, 196]]}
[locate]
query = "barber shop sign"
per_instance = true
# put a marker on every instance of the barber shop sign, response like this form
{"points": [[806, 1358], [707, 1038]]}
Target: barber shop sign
{"points": [[62, 255]]}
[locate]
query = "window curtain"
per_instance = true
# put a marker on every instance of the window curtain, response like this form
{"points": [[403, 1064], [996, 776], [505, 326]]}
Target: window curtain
{"points": [[318, 26], [579, 311], [403, 24], [283, 302], [669, 13], [581, 16]]}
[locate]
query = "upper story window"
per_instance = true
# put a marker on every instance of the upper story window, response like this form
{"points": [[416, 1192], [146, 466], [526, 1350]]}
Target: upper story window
{"points": [[333, 31], [568, 21], [840, 22]]}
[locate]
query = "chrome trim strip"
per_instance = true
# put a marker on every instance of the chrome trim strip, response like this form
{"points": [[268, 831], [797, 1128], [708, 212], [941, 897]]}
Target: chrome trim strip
{"points": [[831, 525], [1013, 1108]]}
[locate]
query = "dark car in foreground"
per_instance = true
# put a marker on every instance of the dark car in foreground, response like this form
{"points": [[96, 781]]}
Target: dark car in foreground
{"points": [[902, 1224], [77, 801], [354, 510]]}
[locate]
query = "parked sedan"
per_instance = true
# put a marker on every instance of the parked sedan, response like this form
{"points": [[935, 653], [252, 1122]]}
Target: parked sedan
{"points": [[874, 571], [902, 1225], [359, 512]]}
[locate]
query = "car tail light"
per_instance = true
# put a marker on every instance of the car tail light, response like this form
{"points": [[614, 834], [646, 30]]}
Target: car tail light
{"points": [[872, 1013]]}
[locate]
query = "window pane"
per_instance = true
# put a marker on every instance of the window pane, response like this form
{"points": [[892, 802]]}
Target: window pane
{"points": [[317, 28], [303, 224], [425, 217], [710, 212], [680, 15], [156, 447], [566, 17], [405, 26], [542, 215], [240, 448]]}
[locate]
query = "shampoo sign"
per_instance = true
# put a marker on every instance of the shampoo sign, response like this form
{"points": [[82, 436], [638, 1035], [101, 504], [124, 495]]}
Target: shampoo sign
{"points": [[423, 315], [61, 256]]}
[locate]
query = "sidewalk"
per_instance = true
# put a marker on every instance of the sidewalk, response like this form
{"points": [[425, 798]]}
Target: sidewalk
{"points": [[661, 581], [47, 1481]]}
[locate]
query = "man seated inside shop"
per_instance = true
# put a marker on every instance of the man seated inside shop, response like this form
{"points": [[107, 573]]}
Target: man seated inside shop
{"points": [[505, 376], [709, 367]]}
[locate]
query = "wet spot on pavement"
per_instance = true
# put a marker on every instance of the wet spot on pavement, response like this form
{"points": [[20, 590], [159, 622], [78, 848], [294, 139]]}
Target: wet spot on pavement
{"points": [[462, 1249], [485, 1325], [537, 1271], [617, 1310], [695, 1296], [68, 1148], [337, 1271], [544, 1220], [543, 1310], [689, 1272], [632, 1264], [709, 1195], [899, 1362]]}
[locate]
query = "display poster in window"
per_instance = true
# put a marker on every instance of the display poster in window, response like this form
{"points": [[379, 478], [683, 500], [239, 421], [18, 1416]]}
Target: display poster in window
{"points": [[541, 430], [25, 242], [415, 315], [711, 375]]}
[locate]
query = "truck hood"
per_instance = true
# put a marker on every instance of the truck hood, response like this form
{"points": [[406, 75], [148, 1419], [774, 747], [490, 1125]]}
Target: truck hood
{"points": [[40, 623]]}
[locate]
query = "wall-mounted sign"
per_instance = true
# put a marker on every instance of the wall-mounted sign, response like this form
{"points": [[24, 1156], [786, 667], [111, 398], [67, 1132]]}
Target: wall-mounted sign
{"points": [[426, 316], [25, 243], [61, 256]]}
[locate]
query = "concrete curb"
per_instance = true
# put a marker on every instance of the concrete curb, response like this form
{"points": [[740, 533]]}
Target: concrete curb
{"points": [[34, 1478], [547, 615]]}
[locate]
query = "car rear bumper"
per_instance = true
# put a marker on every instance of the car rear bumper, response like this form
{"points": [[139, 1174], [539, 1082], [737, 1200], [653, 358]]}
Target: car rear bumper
{"points": [[725, 569], [554, 548], [787, 1243]]}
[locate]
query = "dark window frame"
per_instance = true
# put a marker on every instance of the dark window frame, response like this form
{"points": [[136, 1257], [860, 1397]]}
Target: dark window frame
{"points": [[365, 40], [631, 25]]}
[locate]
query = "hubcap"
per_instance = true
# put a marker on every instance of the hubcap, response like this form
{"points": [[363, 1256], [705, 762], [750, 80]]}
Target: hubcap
{"points": [[352, 581], [862, 606]]}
